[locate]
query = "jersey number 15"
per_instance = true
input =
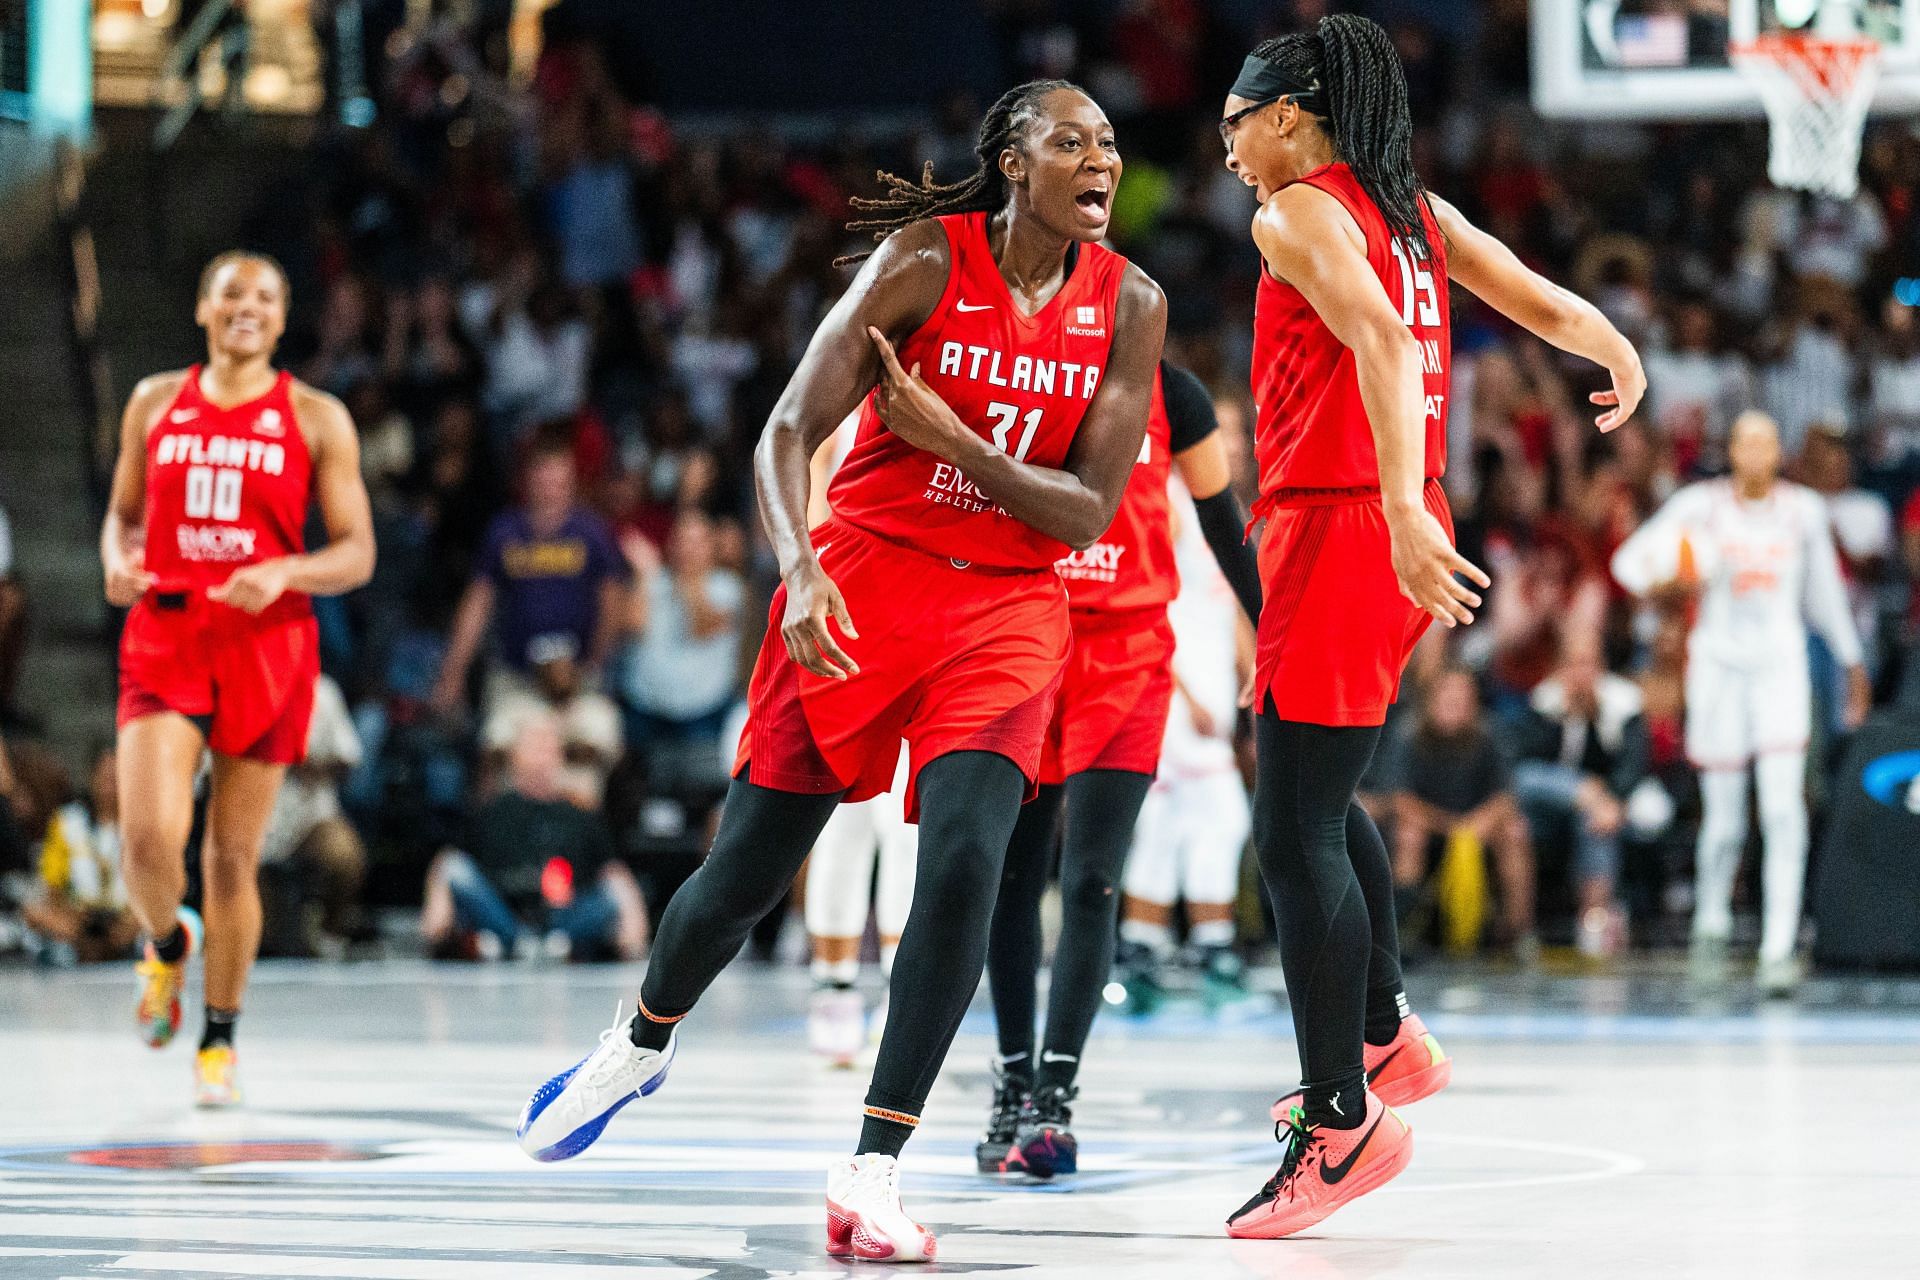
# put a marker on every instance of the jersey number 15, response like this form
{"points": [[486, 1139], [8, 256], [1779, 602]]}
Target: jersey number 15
{"points": [[1416, 287]]}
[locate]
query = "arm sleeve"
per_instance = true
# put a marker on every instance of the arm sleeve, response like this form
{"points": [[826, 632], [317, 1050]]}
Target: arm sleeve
{"points": [[1224, 525], [1189, 408], [1826, 596]]}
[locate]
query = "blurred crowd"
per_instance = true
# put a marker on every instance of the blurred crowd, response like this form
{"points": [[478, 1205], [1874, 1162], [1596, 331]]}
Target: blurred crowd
{"points": [[560, 316]]}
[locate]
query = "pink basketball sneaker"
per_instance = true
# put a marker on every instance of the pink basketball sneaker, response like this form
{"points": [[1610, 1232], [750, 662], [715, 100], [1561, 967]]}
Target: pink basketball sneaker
{"points": [[1323, 1169], [864, 1217]]}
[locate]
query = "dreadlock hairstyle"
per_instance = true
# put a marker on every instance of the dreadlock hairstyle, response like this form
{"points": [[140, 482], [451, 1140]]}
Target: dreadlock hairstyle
{"points": [[1363, 108], [983, 191]]}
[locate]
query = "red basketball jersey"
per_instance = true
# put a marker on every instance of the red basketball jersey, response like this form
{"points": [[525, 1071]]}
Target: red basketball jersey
{"points": [[1311, 431], [1131, 567], [1021, 381], [225, 487]]}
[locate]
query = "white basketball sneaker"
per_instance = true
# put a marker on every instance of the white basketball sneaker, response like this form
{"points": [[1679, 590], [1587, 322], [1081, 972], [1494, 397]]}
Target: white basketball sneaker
{"points": [[569, 1112], [864, 1217], [837, 1024]]}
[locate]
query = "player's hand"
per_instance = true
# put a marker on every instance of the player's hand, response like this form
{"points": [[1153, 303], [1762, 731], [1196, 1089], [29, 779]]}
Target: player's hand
{"points": [[1629, 384], [254, 587], [127, 579], [911, 409], [1859, 697], [812, 598], [1424, 563], [1203, 721]]}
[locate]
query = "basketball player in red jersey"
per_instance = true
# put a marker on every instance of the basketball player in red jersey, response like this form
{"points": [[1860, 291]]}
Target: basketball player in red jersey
{"points": [[204, 544], [1102, 750], [993, 442], [1351, 352]]}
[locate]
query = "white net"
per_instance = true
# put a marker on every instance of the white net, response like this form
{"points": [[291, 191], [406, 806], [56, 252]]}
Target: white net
{"points": [[1816, 92]]}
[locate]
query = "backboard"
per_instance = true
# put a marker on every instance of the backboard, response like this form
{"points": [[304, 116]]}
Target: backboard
{"points": [[1667, 59]]}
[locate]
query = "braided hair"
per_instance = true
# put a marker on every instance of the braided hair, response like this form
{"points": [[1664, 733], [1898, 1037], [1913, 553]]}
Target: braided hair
{"points": [[983, 191], [1363, 92]]}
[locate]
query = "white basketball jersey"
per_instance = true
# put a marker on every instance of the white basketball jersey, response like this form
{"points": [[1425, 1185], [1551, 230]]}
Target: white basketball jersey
{"points": [[1767, 569]]}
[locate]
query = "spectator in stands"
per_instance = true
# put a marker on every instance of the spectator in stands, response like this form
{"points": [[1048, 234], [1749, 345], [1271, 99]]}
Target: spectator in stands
{"points": [[1583, 749], [550, 582], [13, 623], [682, 670], [590, 730], [1455, 784], [1811, 375], [81, 912], [312, 862], [1696, 388], [532, 855], [1862, 525], [535, 349], [1893, 379]]}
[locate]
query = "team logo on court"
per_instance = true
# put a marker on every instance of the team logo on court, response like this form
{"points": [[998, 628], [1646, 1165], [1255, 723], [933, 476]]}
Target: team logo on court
{"points": [[270, 423]]}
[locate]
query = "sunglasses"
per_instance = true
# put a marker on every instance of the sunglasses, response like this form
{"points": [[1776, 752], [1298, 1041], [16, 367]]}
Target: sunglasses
{"points": [[1227, 123]]}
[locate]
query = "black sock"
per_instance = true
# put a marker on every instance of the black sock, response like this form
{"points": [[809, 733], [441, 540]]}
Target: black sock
{"points": [[1385, 1011], [649, 1034], [172, 947], [1340, 1104], [219, 1028], [1057, 1071], [880, 1134]]}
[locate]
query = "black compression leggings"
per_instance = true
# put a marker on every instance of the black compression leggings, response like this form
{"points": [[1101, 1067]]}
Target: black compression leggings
{"points": [[1327, 872], [968, 803], [1102, 806]]}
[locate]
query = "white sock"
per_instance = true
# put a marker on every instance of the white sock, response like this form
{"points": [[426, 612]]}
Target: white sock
{"points": [[836, 973], [1157, 938], [1211, 933]]}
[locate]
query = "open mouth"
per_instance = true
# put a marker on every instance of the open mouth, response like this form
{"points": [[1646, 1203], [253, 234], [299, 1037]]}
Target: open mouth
{"points": [[1094, 201]]}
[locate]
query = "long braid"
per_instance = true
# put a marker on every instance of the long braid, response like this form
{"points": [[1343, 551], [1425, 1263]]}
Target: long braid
{"points": [[984, 190], [1363, 92]]}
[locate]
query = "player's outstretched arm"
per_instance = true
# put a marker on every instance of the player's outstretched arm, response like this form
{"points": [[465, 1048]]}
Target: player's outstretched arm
{"points": [[1490, 271], [1309, 240], [895, 291], [1074, 503], [346, 561]]}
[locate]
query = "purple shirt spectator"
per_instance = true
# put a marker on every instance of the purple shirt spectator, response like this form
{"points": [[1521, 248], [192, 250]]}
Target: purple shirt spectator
{"points": [[547, 587]]}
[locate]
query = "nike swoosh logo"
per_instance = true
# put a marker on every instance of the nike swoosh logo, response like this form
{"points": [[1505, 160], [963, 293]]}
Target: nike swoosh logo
{"points": [[961, 306], [1332, 1174], [1375, 1073], [1049, 1055], [183, 415]]}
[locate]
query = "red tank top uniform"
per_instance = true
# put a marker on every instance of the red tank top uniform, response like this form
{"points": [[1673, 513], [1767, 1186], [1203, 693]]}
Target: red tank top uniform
{"points": [[226, 487], [962, 621], [1114, 697], [1336, 632]]}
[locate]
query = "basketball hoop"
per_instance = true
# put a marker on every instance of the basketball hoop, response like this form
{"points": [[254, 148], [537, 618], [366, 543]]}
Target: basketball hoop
{"points": [[1816, 92]]}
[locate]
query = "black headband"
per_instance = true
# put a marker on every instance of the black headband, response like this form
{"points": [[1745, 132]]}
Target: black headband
{"points": [[1263, 81]]}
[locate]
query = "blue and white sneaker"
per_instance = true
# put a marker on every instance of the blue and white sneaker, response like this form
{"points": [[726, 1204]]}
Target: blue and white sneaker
{"points": [[568, 1113]]}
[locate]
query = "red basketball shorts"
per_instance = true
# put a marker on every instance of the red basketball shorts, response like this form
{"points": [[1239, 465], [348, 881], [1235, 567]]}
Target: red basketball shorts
{"points": [[1335, 632], [1114, 696], [247, 681], [951, 659]]}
